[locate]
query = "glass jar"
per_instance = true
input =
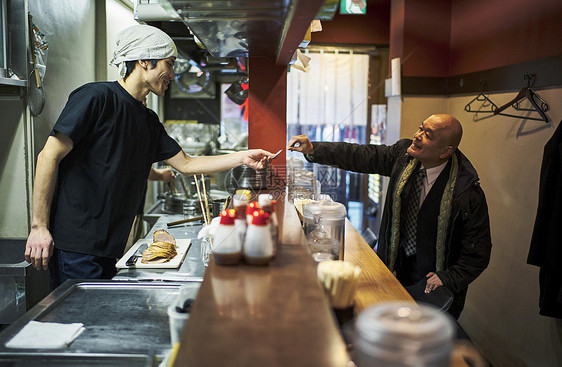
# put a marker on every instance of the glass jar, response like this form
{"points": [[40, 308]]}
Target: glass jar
{"points": [[324, 227]]}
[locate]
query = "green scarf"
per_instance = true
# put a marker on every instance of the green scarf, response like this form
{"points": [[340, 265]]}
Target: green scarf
{"points": [[442, 220]]}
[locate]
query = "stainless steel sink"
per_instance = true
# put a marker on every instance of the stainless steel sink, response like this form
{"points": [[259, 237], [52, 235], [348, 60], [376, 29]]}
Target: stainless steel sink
{"points": [[21, 285]]}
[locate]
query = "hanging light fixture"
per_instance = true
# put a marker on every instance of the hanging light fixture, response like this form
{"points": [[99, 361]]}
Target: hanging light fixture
{"points": [[238, 91]]}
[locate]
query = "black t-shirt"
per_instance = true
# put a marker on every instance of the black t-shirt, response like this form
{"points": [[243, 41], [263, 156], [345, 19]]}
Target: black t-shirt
{"points": [[101, 182]]}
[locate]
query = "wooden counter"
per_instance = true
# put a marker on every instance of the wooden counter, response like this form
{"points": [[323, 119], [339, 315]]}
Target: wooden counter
{"points": [[278, 315], [377, 283]]}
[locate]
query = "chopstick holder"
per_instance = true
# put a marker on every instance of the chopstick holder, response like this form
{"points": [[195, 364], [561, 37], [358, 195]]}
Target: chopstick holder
{"points": [[339, 279]]}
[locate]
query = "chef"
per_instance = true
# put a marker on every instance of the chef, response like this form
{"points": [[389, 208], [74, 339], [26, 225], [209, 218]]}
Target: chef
{"points": [[92, 170]]}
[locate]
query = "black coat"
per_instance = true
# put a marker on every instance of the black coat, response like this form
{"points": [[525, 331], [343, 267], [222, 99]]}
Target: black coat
{"points": [[546, 243], [468, 243]]}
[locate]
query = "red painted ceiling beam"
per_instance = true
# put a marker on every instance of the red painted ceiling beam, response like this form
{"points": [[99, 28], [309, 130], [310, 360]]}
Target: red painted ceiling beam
{"points": [[301, 14]]}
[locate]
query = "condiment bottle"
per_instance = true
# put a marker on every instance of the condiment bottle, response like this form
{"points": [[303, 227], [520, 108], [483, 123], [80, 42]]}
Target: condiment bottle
{"points": [[258, 247], [252, 206], [266, 203], [240, 203], [227, 244]]}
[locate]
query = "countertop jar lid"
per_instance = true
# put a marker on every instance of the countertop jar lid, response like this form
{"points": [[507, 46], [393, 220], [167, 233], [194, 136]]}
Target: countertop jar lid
{"points": [[327, 209], [400, 326]]}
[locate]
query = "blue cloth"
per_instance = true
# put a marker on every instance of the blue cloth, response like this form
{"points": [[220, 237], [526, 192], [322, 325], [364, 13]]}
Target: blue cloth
{"points": [[65, 265]]}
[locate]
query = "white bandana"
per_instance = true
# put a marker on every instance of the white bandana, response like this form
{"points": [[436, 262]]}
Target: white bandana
{"points": [[142, 42]]}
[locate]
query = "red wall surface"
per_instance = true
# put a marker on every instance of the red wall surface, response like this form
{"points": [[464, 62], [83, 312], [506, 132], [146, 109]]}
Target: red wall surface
{"points": [[267, 104], [439, 38], [426, 42], [488, 34]]}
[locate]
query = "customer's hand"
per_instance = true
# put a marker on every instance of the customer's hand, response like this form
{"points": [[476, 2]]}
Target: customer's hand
{"points": [[433, 282], [301, 143]]}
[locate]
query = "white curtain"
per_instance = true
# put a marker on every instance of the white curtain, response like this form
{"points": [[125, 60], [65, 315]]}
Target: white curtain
{"points": [[332, 95]]}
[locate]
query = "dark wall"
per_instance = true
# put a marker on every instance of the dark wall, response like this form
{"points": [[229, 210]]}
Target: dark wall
{"points": [[372, 28]]}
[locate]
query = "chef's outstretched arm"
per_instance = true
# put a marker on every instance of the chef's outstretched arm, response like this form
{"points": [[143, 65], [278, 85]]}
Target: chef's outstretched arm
{"points": [[39, 246], [255, 158]]}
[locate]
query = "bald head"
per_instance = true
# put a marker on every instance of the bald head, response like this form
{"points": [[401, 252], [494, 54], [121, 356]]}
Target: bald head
{"points": [[436, 140], [451, 129]]}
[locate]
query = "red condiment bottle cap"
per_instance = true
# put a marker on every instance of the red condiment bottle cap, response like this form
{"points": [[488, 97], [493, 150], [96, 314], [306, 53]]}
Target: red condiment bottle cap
{"points": [[259, 217], [227, 217], [251, 207]]}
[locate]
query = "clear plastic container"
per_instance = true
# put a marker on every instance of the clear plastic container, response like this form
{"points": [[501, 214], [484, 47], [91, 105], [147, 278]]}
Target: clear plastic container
{"points": [[324, 227]]}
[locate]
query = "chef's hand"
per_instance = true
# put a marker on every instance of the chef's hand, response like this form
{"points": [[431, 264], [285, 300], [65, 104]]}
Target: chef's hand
{"points": [[162, 174], [300, 143], [168, 175], [39, 247], [433, 282], [257, 158]]}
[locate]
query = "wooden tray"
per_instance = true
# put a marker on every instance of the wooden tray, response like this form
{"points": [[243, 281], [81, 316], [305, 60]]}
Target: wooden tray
{"points": [[182, 246]]}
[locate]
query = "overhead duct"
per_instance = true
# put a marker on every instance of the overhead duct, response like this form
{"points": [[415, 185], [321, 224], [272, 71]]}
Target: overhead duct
{"points": [[155, 10], [241, 28]]}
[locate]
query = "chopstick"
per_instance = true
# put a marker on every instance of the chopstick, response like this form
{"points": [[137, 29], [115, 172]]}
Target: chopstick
{"points": [[200, 201], [183, 186], [206, 201], [187, 220], [226, 202]]}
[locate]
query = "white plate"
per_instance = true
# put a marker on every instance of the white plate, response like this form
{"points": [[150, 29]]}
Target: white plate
{"points": [[182, 246]]}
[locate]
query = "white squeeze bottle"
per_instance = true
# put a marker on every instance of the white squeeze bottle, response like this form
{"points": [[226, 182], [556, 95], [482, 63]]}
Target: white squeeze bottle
{"points": [[240, 203], [258, 247], [268, 205], [227, 244]]}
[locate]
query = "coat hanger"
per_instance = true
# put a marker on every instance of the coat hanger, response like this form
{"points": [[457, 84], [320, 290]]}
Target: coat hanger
{"points": [[486, 105], [529, 94]]}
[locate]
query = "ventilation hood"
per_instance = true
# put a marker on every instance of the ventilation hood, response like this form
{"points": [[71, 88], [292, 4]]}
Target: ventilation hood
{"points": [[241, 28]]}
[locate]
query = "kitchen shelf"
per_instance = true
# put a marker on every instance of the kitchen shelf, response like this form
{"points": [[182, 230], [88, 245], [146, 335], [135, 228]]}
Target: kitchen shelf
{"points": [[13, 82]]}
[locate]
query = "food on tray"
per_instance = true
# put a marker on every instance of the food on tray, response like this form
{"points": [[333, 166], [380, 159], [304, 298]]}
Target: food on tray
{"points": [[161, 235], [159, 252], [162, 250]]}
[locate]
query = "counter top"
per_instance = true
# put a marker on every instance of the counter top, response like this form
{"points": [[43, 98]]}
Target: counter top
{"points": [[278, 315], [377, 283]]}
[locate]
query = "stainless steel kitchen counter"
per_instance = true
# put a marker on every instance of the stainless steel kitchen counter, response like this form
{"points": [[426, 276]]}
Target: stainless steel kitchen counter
{"points": [[125, 318], [124, 321]]}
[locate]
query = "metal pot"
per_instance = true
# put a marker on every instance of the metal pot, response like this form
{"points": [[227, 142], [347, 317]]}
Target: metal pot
{"points": [[246, 177], [174, 203]]}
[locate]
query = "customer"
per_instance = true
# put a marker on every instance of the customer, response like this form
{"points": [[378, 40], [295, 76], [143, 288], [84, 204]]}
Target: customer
{"points": [[443, 232], [92, 172]]}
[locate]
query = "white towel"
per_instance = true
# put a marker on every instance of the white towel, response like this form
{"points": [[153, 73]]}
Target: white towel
{"points": [[45, 335]]}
